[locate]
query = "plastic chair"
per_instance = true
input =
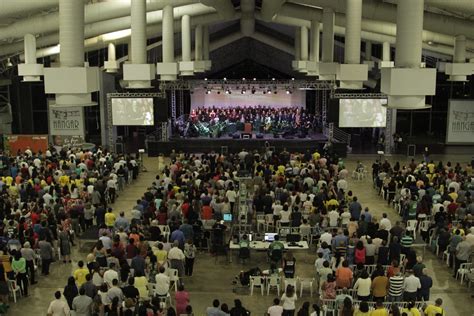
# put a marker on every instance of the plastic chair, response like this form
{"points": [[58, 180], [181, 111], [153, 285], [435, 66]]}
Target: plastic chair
{"points": [[273, 281], [411, 226], [261, 221], [257, 281], [464, 269], [306, 282], [13, 287], [329, 307], [173, 274], [290, 281]]}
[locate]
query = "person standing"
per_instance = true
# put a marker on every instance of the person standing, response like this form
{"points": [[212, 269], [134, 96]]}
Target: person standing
{"points": [[411, 286], [58, 307], [275, 309], [190, 254], [426, 284], [463, 252], [29, 255], [82, 304], [182, 300], [46, 255], [176, 257], [289, 299], [19, 268]]}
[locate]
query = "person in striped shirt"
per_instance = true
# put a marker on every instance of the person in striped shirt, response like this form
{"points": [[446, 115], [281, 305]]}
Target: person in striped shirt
{"points": [[406, 242], [395, 289]]}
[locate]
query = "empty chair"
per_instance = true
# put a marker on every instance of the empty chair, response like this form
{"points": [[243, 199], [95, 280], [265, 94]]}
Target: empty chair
{"points": [[261, 221], [273, 282], [174, 278], [411, 226], [290, 281], [463, 270], [257, 281], [306, 282]]}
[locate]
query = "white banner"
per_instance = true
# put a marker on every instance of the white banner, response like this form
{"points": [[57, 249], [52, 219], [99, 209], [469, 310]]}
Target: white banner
{"points": [[66, 121], [460, 127]]}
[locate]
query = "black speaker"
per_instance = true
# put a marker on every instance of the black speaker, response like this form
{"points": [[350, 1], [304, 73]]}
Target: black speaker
{"points": [[259, 136], [235, 136], [161, 109], [276, 135]]}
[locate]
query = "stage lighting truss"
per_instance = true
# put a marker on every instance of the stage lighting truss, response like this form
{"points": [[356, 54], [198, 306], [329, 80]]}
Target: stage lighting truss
{"points": [[253, 85], [336, 95]]}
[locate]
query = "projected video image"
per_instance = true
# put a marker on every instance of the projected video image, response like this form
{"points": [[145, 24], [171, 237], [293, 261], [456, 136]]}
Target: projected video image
{"points": [[132, 111], [362, 113]]}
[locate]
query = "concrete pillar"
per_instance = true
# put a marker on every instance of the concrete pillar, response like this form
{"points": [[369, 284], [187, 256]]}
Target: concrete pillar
{"points": [[304, 43], [168, 34], [328, 35], [460, 49], [205, 42], [353, 31], [368, 51], [314, 41], [297, 43], [198, 43], [386, 51], [186, 37], [409, 33], [138, 37]]}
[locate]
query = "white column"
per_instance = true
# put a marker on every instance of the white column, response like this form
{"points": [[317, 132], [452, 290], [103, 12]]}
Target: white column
{"points": [[353, 30], [328, 36], [30, 49], [314, 42], [409, 33], [386, 51], [368, 51], [304, 43], [297, 43], [138, 37], [198, 43], [168, 34], [205, 42], [186, 37], [71, 33], [111, 64], [460, 49], [111, 56]]}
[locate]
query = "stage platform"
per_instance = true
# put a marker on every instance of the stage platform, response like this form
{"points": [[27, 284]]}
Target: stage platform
{"points": [[206, 144]]}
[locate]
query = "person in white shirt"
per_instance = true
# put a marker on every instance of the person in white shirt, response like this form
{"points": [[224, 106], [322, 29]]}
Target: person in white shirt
{"points": [[110, 275], [333, 218], [176, 257], [231, 195], [411, 285], [289, 299], [345, 217], [275, 309], [386, 222], [162, 282], [285, 216], [342, 184], [326, 237], [277, 208], [58, 307]]}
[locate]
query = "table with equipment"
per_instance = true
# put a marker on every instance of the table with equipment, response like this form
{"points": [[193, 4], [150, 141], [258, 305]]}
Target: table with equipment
{"points": [[264, 245]]}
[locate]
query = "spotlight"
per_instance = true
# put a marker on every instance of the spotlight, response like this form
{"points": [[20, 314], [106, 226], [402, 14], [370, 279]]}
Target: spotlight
{"points": [[293, 79], [273, 79], [288, 92], [227, 91], [205, 79], [243, 79], [254, 79], [208, 91], [243, 91], [269, 91], [225, 78], [9, 63]]}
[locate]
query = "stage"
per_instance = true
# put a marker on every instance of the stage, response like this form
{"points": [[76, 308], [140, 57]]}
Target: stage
{"points": [[205, 144]]}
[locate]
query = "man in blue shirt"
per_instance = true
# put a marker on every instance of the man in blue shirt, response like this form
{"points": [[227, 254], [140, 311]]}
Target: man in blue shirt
{"points": [[355, 208], [179, 236]]}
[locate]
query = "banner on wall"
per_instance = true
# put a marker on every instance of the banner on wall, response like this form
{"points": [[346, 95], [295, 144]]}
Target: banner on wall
{"points": [[460, 126], [15, 143], [66, 121]]}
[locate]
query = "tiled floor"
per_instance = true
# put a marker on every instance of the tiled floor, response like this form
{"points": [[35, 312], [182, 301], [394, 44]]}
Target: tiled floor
{"points": [[213, 279]]}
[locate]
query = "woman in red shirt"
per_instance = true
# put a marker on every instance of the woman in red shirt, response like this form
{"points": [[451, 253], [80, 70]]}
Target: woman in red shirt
{"points": [[359, 254], [206, 212]]}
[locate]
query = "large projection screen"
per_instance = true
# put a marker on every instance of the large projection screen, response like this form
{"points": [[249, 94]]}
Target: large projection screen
{"points": [[362, 113], [132, 111], [460, 127]]}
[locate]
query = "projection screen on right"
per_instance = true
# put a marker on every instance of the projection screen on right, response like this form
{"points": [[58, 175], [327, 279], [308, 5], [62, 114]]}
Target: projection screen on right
{"points": [[362, 113]]}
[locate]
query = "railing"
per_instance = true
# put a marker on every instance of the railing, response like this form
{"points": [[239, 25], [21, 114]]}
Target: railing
{"points": [[335, 134]]}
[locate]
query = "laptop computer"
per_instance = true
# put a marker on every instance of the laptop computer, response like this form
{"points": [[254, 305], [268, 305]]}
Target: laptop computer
{"points": [[269, 237], [227, 217]]}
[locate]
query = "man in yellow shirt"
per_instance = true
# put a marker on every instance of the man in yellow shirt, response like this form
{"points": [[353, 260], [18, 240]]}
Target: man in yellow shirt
{"points": [[432, 310], [80, 274], [110, 218]]}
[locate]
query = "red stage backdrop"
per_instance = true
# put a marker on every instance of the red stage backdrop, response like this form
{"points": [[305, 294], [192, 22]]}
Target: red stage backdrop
{"points": [[13, 143]]}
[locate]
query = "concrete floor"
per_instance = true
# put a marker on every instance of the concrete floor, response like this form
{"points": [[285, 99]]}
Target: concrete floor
{"points": [[214, 279]]}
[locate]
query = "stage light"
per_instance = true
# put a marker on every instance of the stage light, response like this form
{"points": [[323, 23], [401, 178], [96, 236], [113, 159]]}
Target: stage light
{"points": [[225, 78], [205, 79], [253, 90], [208, 91], [273, 79], [254, 79], [269, 91], [293, 79], [288, 91], [243, 91], [243, 79]]}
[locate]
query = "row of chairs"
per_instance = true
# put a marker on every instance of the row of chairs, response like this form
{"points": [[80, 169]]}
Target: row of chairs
{"points": [[275, 281], [330, 306]]}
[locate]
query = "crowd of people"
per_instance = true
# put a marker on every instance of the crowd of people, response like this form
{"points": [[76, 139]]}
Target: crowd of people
{"points": [[263, 119], [361, 259], [47, 199]]}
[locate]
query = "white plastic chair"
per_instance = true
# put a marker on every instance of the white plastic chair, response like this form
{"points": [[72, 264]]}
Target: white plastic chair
{"points": [[257, 281], [268, 222], [464, 269], [290, 281], [273, 281], [13, 287], [411, 226], [261, 221], [306, 282], [173, 274], [329, 307]]}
